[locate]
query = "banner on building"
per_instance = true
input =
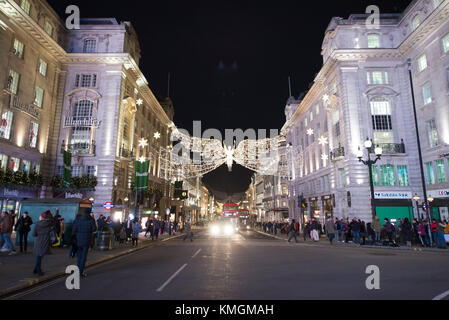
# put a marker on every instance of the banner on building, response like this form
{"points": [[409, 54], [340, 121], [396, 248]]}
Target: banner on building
{"points": [[141, 179], [67, 175]]}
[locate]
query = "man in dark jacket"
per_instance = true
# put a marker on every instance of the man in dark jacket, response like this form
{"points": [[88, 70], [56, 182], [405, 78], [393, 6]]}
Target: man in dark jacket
{"points": [[41, 234], [293, 231], [23, 227], [355, 227], [83, 229], [157, 229]]}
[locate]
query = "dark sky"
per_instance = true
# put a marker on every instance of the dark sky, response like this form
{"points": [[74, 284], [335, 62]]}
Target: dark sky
{"points": [[260, 44]]}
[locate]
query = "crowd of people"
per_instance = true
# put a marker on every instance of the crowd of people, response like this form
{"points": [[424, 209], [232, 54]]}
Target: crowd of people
{"points": [[403, 232]]}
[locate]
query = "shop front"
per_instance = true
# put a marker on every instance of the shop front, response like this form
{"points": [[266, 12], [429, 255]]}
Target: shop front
{"points": [[328, 206], [394, 205], [10, 199], [440, 205], [315, 209]]}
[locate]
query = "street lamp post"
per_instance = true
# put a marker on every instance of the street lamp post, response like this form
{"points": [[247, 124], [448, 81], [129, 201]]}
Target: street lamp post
{"points": [[418, 140], [369, 162], [416, 198]]}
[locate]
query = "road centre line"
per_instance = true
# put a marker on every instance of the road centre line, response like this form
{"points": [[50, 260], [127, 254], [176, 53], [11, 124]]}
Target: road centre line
{"points": [[196, 253], [441, 296], [171, 278]]}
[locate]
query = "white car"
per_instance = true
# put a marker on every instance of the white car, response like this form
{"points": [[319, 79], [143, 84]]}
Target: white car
{"points": [[222, 229]]}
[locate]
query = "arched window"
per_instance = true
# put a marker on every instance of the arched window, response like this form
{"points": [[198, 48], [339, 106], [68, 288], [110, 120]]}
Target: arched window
{"points": [[382, 122], [416, 21]]}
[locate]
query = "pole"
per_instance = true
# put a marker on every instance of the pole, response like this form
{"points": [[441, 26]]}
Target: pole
{"points": [[418, 140], [371, 185]]}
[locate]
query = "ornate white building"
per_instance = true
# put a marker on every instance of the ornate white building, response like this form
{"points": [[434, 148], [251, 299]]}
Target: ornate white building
{"points": [[363, 90]]}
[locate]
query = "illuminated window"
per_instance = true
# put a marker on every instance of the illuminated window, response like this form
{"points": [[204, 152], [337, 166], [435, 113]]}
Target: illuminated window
{"points": [[342, 178], [387, 176], [3, 162], [26, 6], [13, 82], [441, 171], [416, 22], [430, 173], [90, 46], [445, 42], [426, 94], [43, 67], [375, 176], [6, 125], [373, 41], [48, 28], [18, 49], [26, 166], [14, 164], [422, 63], [77, 171], [432, 133], [382, 121], [34, 132], [403, 176], [39, 98]]}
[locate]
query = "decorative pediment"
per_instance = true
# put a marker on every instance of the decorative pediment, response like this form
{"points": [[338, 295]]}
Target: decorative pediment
{"points": [[84, 93], [382, 91]]}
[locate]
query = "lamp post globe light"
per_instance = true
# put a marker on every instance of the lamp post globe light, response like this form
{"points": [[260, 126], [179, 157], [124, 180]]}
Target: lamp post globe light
{"points": [[370, 162], [416, 198]]}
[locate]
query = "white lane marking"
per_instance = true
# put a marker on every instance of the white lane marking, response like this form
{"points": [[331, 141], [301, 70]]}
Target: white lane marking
{"points": [[441, 296], [196, 253], [171, 278]]}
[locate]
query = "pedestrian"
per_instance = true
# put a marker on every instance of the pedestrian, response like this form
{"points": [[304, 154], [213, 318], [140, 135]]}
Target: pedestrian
{"points": [[422, 233], [389, 228], [41, 234], [294, 232], [377, 228], [315, 230], [345, 230], [157, 229], [355, 227], [330, 230], [433, 228], [440, 235], [189, 233], [363, 232], [122, 234], [135, 232], [23, 227], [406, 232], [370, 232], [306, 231], [83, 229], [337, 230], [6, 228]]}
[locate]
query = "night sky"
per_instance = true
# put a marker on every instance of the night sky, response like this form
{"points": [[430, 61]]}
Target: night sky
{"points": [[229, 60]]}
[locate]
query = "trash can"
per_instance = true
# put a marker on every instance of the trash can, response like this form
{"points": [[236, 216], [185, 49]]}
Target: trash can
{"points": [[105, 240]]}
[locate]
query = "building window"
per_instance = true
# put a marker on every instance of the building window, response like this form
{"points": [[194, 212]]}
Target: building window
{"points": [[26, 6], [14, 164], [3, 162], [432, 133], [91, 171], [90, 46], [377, 77], [445, 42], [426, 93], [382, 123], [6, 125], [311, 116], [48, 28], [317, 109], [342, 178], [26, 166], [441, 171], [387, 175], [38, 100], [77, 171], [34, 131], [13, 82], [18, 49], [416, 22], [375, 176], [37, 168], [422, 63], [373, 41], [43, 67], [60, 171], [86, 80], [81, 136], [306, 122], [430, 173], [403, 176]]}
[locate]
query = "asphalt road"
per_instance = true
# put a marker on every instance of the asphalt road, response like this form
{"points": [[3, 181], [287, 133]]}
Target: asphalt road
{"points": [[253, 266]]}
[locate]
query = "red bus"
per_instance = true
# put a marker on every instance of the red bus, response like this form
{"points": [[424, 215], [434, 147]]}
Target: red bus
{"points": [[230, 210], [244, 219]]}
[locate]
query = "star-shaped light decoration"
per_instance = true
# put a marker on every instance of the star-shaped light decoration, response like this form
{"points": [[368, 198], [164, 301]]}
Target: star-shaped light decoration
{"points": [[143, 143], [326, 98], [157, 135], [324, 157], [142, 159], [139, 102], [323, 141], [310, 132]]}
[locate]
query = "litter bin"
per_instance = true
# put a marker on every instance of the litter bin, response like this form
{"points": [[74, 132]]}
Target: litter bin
{"points": [[105, 240]]}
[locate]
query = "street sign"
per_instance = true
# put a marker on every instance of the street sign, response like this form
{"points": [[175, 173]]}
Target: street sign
{"points": [[108, 206]]}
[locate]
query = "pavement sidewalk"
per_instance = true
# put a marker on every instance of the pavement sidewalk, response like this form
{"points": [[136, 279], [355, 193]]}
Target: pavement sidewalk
{"points": [[16, 272], [324, 242]]}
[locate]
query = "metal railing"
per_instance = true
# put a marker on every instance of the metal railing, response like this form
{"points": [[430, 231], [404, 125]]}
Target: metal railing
{"points": [[390, 148], [337, 153], [125, 153], [80, 148]]}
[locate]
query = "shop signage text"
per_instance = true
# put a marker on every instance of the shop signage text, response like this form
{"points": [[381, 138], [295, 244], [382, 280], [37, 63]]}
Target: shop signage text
{"points": [[73, 195], [393, 195], [28, 109], [439, 193]]}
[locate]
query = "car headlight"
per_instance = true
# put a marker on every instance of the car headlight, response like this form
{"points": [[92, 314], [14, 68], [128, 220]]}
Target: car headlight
{"points": [[215, 230], [228, 230], [247, 227]]}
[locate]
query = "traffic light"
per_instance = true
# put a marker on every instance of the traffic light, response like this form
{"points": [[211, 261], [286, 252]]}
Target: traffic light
{"points": [[424, 206]]}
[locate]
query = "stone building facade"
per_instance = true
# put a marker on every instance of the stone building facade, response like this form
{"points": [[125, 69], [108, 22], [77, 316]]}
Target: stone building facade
{"points": [[363, 91]]}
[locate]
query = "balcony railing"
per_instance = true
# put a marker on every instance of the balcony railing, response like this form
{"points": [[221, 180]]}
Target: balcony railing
{"points": [[74, 122], [125, 153], [390, 148], [337, 153], [80, 148]]}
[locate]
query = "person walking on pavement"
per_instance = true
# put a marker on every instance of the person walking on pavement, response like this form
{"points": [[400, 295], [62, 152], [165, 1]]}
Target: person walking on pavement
{"points": [[41, 234], [135, 232], [83, 229], [157, 229], [23, 227], [315, 230], [389, 231], [6, 226], [294, 231], [377, 227], [440, 235], [406, 232], [189, 233], [330, 229]]}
